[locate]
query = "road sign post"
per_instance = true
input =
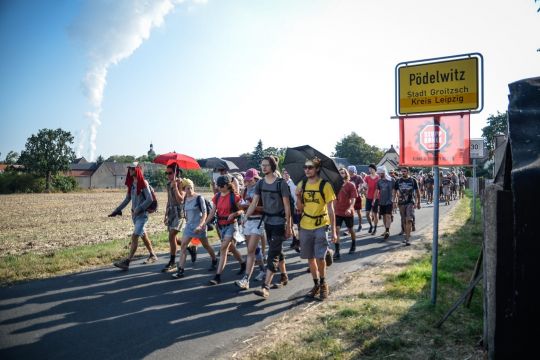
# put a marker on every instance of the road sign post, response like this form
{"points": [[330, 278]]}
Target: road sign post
{"points": [[476, 152]]}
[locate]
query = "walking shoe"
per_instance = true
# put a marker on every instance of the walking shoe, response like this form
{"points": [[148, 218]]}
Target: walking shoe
{"points": [[178, 274], [329, 258], [260, 276], [337, 255], [151, 259], [242, 283], [283, 281], [242, 270], [296, 245], [170, 267], [386, 235], [193, 252], [352, 249], [216, 280], [214, 265], [370, 229], [401, 232], [314, 291], [263, 292], [407, 243], [323, 292], [359, 228], [374, 231], [122, 264]]}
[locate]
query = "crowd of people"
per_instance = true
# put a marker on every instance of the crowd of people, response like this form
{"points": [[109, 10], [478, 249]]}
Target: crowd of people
{"points": [[267, 208]]}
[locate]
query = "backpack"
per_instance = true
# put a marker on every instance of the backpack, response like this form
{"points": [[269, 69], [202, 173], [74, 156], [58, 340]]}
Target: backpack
{"points": [[318, 219], [278, 191], [209, 206], [152, 208]]}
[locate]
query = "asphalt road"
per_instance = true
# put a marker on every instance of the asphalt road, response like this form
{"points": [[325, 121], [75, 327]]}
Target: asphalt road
{"points": [[143, 313]]}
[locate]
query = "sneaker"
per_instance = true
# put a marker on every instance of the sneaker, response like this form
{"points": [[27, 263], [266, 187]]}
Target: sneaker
{"points": [[263, 292], [215, 281], [359, 228], [151, 259], [243, 283], [122, 264], [329, 258], [193, 252], [260, 276], [352, 249], [370, 229], [314, 291], [178, 274], [323, 292], [170, 267], [214, 265], [407, 243], [242, 270], [386, 235]]}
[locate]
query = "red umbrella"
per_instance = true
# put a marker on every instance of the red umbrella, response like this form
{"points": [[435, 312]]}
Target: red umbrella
{"points": [[183, 161]]}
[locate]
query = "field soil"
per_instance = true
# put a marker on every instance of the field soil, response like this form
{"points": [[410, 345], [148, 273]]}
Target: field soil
{"points": [[41, 223]]}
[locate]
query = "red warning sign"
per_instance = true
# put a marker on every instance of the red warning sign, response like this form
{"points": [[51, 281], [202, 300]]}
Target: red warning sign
{"points": [[435, 140]]}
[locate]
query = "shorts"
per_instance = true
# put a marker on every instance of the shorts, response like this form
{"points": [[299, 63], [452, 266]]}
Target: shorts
{"points": [[251, 227], [446, 190], [372, 205], [406, 211], [313, 243], [349, 221], [189, 232], [174, 221], [139, 223], [228, 230], [358, 203], [385, 209]]}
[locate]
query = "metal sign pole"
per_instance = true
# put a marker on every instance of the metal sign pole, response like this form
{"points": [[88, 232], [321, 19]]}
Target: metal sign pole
{"points": [[474, 191], [435, 246]]}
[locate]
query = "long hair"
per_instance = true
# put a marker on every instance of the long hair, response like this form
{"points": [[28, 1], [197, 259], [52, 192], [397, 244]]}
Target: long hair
{"points": [[141, 182]]}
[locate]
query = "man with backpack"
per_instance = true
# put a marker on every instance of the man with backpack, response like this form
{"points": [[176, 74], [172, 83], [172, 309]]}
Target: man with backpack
{"points": [[138, 192], [174, 213], [275, 196], [316, 202]]}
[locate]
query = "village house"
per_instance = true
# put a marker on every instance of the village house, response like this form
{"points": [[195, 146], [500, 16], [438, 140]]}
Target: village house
{"points": [[390, 160]]}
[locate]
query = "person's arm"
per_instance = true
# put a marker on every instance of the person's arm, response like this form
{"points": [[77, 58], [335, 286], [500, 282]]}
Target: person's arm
{"points": [[417, 192], [178, 193], [332, 216], [237, 213], [210, 216], [288, 217], [118, 210], [252, 206], [204, 215]]}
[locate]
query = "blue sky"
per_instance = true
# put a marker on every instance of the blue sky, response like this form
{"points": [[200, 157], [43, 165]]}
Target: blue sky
{"points": [[211, 78]]}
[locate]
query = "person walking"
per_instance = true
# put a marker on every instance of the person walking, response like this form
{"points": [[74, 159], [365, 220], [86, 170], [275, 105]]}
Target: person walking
{"points": [[385, 195], [295, 243], [252, 225], [227, 207], [316, 202], [275, 196], [358, 182], [174, 213], [406, 191], [345, 211], [138, 192], [371, 203], [195, 213]]}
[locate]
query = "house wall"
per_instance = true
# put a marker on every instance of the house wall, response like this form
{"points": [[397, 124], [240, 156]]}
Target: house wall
{"points": [[83, 181], [103, 178]]}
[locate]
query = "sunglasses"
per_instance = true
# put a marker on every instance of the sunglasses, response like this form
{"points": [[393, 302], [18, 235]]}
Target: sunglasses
{"points": [[309, 167], [169, 173]]}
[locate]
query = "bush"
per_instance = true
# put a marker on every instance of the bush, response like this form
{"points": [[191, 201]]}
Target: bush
{"points": [[64, 183], [13, 182], [199, 177]]}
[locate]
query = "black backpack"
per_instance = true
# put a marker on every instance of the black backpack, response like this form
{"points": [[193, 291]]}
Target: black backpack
{"points": [[278, 191], [209, 206]]}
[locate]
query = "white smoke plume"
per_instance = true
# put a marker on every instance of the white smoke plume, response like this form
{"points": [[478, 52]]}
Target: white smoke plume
{"points": [[110, 31]]}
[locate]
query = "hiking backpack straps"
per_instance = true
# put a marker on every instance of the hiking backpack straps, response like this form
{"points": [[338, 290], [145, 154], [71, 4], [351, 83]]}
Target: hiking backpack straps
{"points": [[233, 207], [319, 218]]}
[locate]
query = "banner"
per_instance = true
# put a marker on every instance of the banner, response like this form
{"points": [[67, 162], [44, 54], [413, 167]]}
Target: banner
{"points": [[434, 140]]}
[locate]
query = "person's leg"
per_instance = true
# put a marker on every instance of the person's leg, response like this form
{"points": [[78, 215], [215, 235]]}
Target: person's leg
{"points": [[353, 240], [253, 242], [339, 221], [133, 246], [148, 244], [375, 217], [224, 250], [184, 242], [321, 247], [368, 214]]}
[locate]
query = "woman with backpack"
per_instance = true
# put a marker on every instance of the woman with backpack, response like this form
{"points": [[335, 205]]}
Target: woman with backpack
{"points": [[174, 217], [195, 212], [227, 207], [138, 192]]}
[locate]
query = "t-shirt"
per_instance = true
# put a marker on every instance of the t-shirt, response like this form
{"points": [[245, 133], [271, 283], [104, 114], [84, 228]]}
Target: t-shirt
{"points": [[429, 181], [406, 188], [272, 200], [371, 185], [314, 205], [223, 207], [194, 211], [343, 202], [358, 182], [249, 193], [446, 181], [385, 191]]}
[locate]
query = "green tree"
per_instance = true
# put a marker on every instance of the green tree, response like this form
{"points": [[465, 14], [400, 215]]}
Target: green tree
{"points": [[12, 157], [100, 159], [357, 151], [121, 158], [257, 155], [497, 124], [48, 153]]}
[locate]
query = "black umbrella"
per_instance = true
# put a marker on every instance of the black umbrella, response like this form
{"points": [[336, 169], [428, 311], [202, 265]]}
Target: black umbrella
{"points": [[218, 163], [296, 157]]}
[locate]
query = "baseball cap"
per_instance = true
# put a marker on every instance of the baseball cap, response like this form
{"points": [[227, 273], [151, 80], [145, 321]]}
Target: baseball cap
{"points": [[250, 174]]}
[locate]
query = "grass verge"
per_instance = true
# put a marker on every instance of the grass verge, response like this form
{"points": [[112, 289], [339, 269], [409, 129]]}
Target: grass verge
{"points": [[397, 319], [16, 268]]}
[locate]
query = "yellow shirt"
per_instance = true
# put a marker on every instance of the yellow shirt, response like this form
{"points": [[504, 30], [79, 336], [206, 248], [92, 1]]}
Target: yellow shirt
{"points": [[315, 206]]}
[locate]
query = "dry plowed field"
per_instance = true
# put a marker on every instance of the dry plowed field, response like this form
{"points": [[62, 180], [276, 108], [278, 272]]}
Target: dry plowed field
{"points": [[44, 222]]}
